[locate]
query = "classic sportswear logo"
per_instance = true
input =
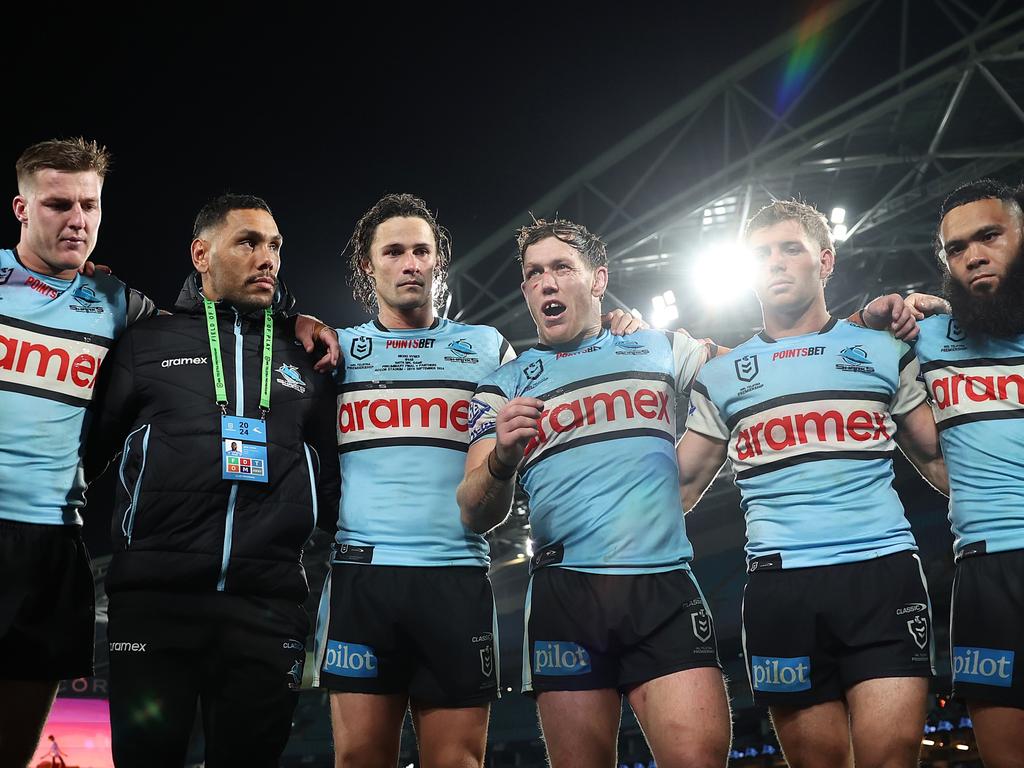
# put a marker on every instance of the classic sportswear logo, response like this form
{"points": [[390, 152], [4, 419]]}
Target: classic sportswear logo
{"points": [[350, 660], [63, 368], [128, 647], [776, 674], [987, 666], [559, 657], [174, 361], [828, 427], [911, 608]]}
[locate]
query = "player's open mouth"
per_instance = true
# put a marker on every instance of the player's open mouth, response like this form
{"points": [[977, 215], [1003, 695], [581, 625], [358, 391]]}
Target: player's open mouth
{"points": [[552, 308]]}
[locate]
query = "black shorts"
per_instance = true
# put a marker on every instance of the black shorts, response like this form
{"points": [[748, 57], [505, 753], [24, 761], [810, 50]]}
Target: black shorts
{"points": [[47, 602], [809, 634], [987, 631], [431, 632], [587, 631]]}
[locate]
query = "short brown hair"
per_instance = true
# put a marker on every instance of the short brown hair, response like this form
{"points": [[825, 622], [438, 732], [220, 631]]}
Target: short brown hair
{"points": [[810, 219], [589, 246], [77, 154]]}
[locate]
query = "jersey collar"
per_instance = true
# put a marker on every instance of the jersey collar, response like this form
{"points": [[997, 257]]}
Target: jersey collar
{"points": [[824, 329]]}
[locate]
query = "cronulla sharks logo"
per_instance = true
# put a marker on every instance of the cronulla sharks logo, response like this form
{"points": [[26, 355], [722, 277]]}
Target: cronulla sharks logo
{"points": [[291, 378], [856, 359]]}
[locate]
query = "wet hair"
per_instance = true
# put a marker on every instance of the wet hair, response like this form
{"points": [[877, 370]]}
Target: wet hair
{"points": [[590, 247], [811, 220], [393, 206]]}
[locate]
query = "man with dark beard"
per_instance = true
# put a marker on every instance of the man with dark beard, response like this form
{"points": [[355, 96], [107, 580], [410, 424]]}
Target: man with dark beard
{"points": [[973, 364]]}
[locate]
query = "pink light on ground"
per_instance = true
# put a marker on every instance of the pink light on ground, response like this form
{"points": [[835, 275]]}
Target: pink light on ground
{"points": [[81, 728]]}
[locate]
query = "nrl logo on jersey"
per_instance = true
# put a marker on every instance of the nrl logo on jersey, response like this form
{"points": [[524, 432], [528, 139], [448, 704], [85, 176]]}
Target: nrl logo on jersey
{"points": [[291, 378], [362, 347], [746, 368]]}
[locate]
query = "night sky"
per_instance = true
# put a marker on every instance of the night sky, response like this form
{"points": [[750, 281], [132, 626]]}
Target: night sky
{"points": [[480, 109]]}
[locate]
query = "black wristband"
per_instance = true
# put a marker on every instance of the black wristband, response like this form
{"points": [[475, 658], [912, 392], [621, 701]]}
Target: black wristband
{"points": [[863, 322], [494, 474]]}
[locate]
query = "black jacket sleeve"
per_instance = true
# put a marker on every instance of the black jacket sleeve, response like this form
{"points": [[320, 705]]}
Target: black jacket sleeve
{"points": [[113, 409], [322, 435]]}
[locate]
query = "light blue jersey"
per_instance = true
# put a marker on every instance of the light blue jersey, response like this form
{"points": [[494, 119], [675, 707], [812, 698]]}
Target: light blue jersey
{"points": [[601, 475], [810, 431], [403, 433], [976, 385], [54, 335]]}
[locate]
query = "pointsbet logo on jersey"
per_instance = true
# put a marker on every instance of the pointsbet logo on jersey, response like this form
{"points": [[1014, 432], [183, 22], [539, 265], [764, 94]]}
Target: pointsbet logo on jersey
{"points": [[777, 674], [559, 657], [350, 659]]}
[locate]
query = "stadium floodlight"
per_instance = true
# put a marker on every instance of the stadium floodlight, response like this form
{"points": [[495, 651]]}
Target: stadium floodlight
{"points": [[838, 216], [721, 273], [665, 309], [962, 747], [839, 232], [928, 742]]}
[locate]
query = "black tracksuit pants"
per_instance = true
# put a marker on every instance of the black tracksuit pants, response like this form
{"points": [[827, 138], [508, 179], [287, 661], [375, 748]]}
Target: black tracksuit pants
{"points": [[240, 657]]}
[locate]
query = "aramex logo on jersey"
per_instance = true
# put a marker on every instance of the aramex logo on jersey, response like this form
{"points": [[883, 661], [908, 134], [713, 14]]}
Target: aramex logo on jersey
{"points": [[598, 409], [824, 427], [61, 368], [961, 391], [431, 414]]}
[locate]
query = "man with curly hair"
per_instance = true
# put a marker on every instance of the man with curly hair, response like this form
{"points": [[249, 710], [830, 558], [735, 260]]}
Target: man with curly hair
{"points": [[407, 616]]}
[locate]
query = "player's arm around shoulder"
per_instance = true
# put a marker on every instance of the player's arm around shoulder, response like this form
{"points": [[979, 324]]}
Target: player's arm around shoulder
{"points": [[703, 448], [916, 433]]}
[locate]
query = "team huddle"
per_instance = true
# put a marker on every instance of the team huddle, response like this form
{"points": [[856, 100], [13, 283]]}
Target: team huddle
{"points": [[406, 441]]}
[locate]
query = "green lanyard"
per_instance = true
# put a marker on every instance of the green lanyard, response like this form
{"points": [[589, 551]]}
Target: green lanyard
{"points": [[218, 366]]}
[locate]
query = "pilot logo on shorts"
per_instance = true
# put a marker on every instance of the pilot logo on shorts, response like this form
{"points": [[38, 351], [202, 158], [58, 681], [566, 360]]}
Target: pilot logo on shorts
{"points": [[559, 657], [775, 674], [746, 368], [350, 660], [701, 623], [986, 666], [918, 627], [361, 348]]}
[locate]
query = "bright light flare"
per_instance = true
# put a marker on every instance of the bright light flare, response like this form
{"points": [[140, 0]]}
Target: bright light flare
{"points": [[665, 309], [722, 273]]}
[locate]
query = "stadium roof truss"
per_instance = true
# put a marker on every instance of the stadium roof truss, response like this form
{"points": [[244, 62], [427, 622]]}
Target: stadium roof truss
{"points": [[905, 101]]}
